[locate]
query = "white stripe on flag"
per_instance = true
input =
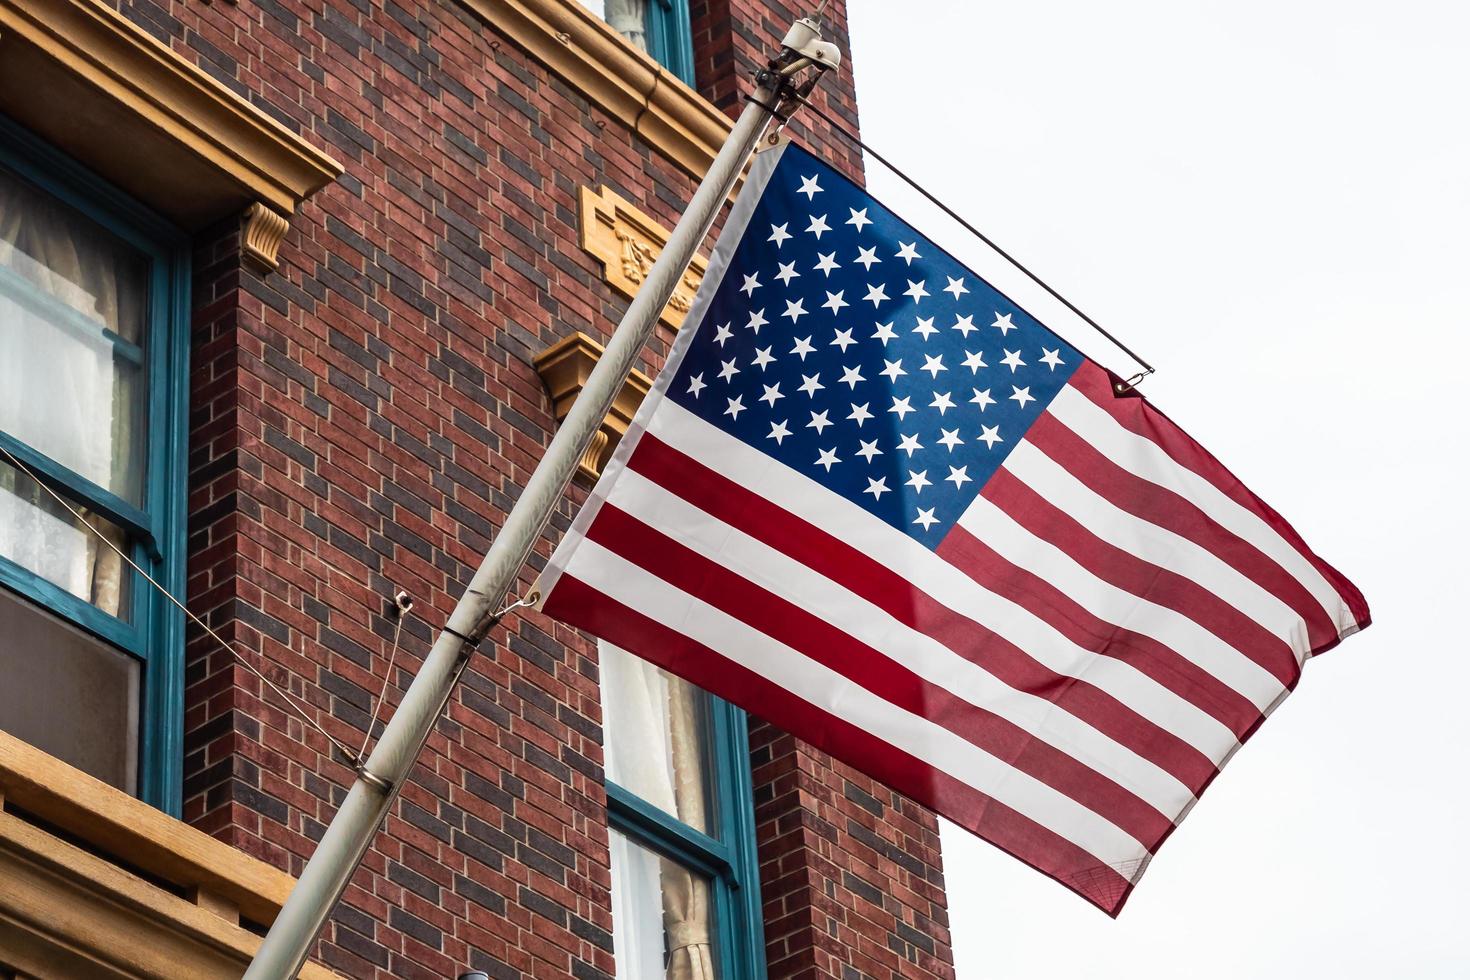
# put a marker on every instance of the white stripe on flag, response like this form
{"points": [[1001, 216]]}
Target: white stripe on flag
{"points": [[1119, 607], [920, 654], [1145, 460], [1054, 483], [947, 585], [833, 693]]}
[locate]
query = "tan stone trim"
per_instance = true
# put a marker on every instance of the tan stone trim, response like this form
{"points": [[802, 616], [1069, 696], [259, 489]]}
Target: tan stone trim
{"points": [[87, 79], [626, 241], [112, 822], [564, 367], [594, 59], [65, 912]]}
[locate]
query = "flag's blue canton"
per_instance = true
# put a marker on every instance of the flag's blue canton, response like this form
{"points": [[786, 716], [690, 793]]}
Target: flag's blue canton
{"points": [[846, 345]]}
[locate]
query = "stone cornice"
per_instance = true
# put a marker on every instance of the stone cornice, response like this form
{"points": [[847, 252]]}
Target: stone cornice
{"points": [[629, 85], [85, 78], [112, 823]]}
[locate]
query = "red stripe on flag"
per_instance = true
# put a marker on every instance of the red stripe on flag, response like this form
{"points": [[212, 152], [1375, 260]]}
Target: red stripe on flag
{"points": [[576, 603], [725, 500], [1167, 509], [1159, 661], [811, 635], [1138, 416], [1141, 578]]}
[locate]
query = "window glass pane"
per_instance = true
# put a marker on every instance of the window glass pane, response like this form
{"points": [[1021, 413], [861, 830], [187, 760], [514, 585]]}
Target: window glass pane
{"points": [[661, 916], [656, 729], [628, 17], [41, 536], [68, 694], [73, 302]]}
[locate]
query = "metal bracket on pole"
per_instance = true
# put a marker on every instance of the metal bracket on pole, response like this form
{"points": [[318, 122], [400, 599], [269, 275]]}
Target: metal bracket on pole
{"points": [[778, 92]]}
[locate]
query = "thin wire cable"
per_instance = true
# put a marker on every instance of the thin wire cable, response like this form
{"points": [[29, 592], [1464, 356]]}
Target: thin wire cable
{"points": [[857, 141], [235, 655], [403, 612]]}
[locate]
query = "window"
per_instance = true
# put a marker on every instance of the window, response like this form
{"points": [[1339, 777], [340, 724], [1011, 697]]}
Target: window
{"points": [[685, 891], [660, 27], [93, 382]]}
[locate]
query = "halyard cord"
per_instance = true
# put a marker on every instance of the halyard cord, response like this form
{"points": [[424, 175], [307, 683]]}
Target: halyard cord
{"points": [[857, 141], [236, 655], [403, 608]]}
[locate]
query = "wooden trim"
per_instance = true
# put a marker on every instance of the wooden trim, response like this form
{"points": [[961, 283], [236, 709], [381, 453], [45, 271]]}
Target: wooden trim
{"points": [[626, 241], [111, 822], [564, 367], [65, 912], [578, 45], [88, 80]]}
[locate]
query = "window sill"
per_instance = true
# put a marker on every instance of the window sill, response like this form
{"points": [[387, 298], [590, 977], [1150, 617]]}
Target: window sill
{"points": [[578, 46], [76, 906], [83, 77]]}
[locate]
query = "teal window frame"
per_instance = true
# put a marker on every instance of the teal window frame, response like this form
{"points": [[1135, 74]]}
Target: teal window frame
{"points": [[730, 861], [154, 632], [670, 38]]}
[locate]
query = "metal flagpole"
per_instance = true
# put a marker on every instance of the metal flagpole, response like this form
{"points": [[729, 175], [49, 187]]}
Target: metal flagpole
{"points": [[379, 778]]}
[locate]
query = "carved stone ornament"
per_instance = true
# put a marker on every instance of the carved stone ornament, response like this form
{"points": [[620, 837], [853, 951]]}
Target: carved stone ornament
{"points": [[627, 242], [564, 367], [261, 237]]}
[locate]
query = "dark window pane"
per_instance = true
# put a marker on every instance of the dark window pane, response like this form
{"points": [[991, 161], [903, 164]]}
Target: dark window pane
{"points": [[68, 694]]}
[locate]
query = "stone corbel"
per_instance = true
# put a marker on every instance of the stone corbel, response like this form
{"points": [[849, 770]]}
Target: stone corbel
{"points": [[261, 237], [564, 368], [626, 241]]}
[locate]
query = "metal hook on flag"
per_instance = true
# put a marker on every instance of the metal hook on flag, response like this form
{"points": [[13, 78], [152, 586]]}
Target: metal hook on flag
{"points": [[1124, 387]]}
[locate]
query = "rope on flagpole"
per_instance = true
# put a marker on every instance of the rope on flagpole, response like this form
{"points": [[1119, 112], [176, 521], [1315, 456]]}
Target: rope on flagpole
{"points": [[847, 134]]}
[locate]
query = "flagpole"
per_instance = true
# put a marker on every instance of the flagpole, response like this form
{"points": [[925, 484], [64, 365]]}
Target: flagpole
{"points": [[380, 776]]}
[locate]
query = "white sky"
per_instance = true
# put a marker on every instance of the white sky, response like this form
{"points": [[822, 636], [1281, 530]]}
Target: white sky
{"points": [[1269, 201]]}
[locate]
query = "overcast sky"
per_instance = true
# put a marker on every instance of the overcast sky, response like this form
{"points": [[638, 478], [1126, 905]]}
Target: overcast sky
{"points": [[1269, 201]]}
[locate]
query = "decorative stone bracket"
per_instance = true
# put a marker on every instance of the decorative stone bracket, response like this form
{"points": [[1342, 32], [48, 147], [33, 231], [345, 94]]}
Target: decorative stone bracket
{"points": [[261, 237], [564, 367], [627, 242]]}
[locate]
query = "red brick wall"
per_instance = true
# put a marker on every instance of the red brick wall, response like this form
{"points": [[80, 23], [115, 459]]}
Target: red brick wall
{"points": [[362, 419]]}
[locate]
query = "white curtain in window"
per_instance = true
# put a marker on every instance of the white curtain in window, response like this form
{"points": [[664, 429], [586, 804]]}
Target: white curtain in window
{"points": [[657, 724], [59, 390], [630, 19]]}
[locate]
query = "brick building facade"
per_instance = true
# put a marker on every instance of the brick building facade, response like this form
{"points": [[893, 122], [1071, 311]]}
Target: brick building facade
{"points": [[363, 406]]}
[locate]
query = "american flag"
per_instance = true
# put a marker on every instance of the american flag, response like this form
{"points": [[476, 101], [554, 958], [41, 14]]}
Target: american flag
{"points": [[873, 501]]}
